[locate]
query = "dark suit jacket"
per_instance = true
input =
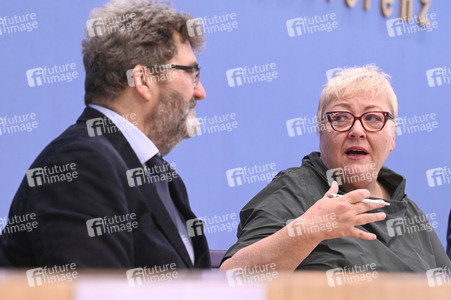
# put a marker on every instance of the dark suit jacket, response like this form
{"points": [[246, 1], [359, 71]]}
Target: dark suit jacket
{"points": [[101, 189]]}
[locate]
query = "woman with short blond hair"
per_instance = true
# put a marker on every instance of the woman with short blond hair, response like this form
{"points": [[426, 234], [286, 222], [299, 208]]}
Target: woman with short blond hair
{"points": [[318, 216]]}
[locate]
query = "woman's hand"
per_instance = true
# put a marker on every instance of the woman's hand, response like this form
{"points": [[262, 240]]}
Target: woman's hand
{"points": [[337, 217]]}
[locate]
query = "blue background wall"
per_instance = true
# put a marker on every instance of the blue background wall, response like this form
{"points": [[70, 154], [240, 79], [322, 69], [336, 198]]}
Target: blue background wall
{"points": [[257, 112]]}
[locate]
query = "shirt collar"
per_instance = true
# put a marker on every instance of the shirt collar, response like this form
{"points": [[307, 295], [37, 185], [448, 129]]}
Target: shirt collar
{"points": [[141, 144], [392, 181]]}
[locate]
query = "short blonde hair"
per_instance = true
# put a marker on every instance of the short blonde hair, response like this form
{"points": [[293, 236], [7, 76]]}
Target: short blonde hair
{"points": [[351, 82]]}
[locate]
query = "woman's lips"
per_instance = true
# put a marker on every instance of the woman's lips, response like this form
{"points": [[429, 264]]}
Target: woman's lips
{"points": [[356, 152], [356, 156]]}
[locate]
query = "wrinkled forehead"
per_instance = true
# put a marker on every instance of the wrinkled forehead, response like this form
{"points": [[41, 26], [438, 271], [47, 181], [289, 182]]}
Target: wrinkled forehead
{"points": [[361, 102]]}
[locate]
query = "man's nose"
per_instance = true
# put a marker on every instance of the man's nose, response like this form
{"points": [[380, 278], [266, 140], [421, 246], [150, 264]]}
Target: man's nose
{"points": [[199, 92]]}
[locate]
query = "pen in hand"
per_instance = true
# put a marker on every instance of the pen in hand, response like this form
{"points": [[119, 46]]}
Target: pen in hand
{"points": [[370, 201]]}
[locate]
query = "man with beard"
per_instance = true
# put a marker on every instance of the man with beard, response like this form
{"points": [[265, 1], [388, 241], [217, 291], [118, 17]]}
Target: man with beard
{"points": [[126, 207]]}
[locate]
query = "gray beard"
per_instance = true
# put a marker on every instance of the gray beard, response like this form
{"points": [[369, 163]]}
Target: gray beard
{"points": [[168, 123]]}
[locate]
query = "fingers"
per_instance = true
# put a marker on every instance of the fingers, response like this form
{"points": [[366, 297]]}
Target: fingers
{"points": [[349, 211], [357, 195], [369, 218], [333, 189], [364, 207], [365, 219], [363, 235]]}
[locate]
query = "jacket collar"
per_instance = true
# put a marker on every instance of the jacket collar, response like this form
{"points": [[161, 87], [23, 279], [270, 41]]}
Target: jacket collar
{"points": [[392, 181]]}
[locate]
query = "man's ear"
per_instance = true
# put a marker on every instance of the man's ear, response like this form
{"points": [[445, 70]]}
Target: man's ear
{"points": [[140, 76]]}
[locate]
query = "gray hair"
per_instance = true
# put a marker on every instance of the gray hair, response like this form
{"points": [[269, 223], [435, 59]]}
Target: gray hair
{"points": [[139, 32]]}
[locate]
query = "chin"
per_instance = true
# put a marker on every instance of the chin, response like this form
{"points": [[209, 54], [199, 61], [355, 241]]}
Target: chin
{"points": [[360, 179]]}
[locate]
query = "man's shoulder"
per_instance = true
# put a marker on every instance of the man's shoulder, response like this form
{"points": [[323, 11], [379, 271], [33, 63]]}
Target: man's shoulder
{"points": [[72, 142], [78, 144]]}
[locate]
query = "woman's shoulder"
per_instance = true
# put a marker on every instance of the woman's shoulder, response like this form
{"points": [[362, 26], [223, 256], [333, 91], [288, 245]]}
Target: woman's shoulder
{"points": [[294, 189]]}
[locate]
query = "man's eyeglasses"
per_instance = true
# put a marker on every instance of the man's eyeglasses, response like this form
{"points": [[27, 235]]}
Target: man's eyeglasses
{"points": [[195, 70], [371, 121]]}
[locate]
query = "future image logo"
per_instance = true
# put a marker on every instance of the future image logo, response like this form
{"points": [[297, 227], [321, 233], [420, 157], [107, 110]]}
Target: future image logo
{"points": [[46, 275], [195, 227], [213, 224], [251, 74], [101, 26], [146, 275], [438, 76], [310, 225], [217, 123], [438, 176], [309, 25], [247, 275], [413, 224], [302, 125], [109, 125], [195, 27], [349, 275], [18, 23], [399, 27], [151, 175], [438, 276], [235, 77], [212, 24], [249, 175], [331, 73], [416, 123], [154, 74], [109, 225], [51, 174], [352, 174], [18, 223], [18, 123], [235, 177], [395, 27], [51, 74]]}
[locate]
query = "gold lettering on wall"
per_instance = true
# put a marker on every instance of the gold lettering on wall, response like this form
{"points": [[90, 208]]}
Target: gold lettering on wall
{"points": [[422, 18], [351, 3], [386, 7], [406, 10]]}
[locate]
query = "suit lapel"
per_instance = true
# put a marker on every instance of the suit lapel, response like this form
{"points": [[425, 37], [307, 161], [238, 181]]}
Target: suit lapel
{"points": [[180, 196], [163, 218], [156, 206]]}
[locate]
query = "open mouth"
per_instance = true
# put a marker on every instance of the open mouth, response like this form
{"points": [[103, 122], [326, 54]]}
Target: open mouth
{"points": [[356, 152]]}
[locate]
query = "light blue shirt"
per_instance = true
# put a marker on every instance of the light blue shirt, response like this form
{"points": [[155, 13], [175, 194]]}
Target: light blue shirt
{"points": [[144, 149]]}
